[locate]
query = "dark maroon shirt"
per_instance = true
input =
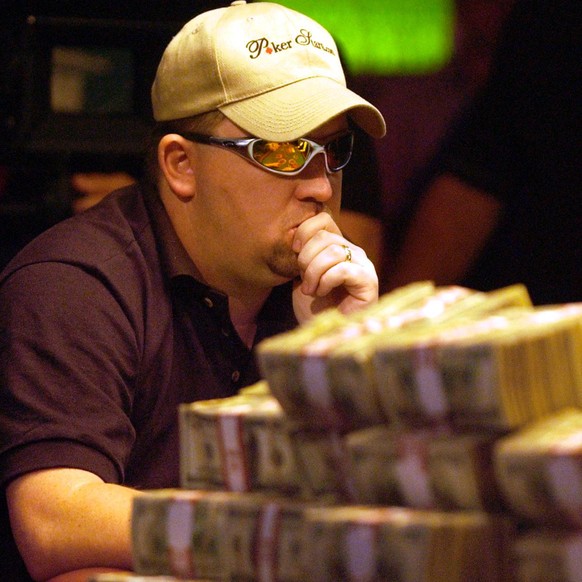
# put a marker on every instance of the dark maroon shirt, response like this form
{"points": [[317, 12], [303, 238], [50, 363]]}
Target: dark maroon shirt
{"points": [[105, 327]]}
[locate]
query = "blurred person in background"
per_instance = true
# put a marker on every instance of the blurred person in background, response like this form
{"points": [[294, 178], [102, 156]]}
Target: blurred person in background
{"points": [[502, 202], [422, 106]]}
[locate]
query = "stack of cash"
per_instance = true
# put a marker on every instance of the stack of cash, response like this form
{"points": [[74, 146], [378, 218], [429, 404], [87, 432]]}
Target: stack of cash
{"points": [[239, 443], [430, 467], [393, 444], [281, 367], [539, 470], [264, 541], [367, 544], [323, 462], [367, 362], [498, 372], [388, 464], [177, 532], [548, 556], [324, 375], [218, 535], [260, 538], [294, 363]]}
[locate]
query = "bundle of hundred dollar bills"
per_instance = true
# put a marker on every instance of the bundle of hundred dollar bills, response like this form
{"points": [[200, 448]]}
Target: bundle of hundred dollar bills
{"points": [[469, 358], [325, 373], [229, 536]]}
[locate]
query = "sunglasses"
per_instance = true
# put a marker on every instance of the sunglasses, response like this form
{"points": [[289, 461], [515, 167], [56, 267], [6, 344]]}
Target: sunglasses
{"points": [[287, 158]]}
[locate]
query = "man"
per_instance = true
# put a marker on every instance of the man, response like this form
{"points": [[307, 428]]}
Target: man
{"points": [[157, 295]]}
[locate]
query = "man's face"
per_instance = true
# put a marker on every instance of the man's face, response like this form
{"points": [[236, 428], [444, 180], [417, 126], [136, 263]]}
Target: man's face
{"points": [[244, 218]]}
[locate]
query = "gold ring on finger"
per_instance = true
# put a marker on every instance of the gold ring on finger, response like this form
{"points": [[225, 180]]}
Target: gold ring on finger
{"points": [[348, 252]]}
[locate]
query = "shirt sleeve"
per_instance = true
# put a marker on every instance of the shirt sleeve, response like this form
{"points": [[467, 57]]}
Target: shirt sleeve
{"points": [[68, 351]]}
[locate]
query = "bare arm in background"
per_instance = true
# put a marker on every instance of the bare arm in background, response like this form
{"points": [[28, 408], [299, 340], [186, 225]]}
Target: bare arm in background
{"points": [[450, 227], [94, 186]]}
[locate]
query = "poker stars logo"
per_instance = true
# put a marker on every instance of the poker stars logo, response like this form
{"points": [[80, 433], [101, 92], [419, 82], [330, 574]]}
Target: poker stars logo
{"points": [[265, 46]]}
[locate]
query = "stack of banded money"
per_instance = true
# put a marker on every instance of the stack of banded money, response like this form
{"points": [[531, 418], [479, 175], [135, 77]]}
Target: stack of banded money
{"points": [[260, 538], [246, 443], [176, 532], [218, 535], [391, 363], [499, 371], [418, 402], [430, 468], [323, 462], [264, 541], [239, 443], [294, 363], [367, 544], [549, 556], [539, 470], [323, 375], [409, 371]]}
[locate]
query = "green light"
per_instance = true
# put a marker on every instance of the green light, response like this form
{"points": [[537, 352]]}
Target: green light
{"points": [[386, 37]]}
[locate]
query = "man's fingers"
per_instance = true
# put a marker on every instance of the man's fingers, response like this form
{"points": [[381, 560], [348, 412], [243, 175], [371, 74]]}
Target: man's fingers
{"points": [[323, 253], [322, 222]]}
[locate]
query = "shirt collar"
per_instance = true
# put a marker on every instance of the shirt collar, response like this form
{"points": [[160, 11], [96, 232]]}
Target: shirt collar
{"points": [[174, 257]]}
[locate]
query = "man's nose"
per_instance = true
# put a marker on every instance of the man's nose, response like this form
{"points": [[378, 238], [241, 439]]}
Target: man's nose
{"points": [[314, 181]]}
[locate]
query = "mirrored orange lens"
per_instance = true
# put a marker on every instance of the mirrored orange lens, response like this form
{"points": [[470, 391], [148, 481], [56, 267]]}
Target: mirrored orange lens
{"points": [[281, 156]]}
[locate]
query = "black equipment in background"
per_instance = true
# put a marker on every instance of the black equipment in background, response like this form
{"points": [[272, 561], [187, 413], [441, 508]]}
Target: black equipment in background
{"points": [[85, 84]]}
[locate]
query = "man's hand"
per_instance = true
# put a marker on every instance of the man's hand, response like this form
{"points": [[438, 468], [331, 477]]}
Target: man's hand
{"points": [[334, 272]]}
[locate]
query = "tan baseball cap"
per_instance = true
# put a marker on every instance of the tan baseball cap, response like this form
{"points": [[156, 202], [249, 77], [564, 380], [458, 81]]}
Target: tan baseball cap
{"points": [[272, 71]]}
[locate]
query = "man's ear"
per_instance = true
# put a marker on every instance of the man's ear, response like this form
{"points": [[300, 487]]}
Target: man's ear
{"points": [[176, 165]]}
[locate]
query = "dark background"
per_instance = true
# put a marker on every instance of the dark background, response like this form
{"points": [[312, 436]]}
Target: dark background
{"points": [[34, 182]]}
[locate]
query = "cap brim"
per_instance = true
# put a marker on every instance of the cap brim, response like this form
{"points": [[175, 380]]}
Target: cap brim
{"points": [[297, 109]]}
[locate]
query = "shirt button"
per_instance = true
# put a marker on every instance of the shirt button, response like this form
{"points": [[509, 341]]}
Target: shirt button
{"points": [[235, 376], [208, 302]]}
